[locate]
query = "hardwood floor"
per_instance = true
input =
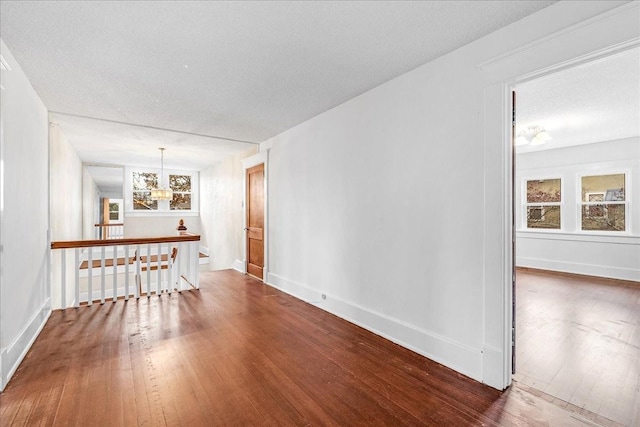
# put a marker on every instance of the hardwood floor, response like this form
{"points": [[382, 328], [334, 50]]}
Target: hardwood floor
{"points": [[238, 352], [578, 339]]}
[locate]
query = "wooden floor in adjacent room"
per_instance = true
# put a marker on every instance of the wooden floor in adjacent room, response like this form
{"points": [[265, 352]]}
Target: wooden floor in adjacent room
{"points": [[238, 352], [578, 340]]}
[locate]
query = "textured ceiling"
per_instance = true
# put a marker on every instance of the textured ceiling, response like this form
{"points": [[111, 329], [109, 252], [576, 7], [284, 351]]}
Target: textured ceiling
{"points": [[238, 70], [594, 102]]}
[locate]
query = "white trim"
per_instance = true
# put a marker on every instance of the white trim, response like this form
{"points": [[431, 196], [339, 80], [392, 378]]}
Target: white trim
{"points": [[532, 49], [2, 142], [23, 342], [497, 252], [455, 355], [606, 271], [4, 65], [614, 30], [578, 237], [240, 265], [259, 158]]}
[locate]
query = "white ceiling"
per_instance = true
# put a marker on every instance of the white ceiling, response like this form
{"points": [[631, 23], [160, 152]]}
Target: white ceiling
{"points": [[108, 178], [594, 102], [238, 70]]}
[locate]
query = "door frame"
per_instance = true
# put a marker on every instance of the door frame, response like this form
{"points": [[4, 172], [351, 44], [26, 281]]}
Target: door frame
{"points": [[603, 35], [251, 161]]}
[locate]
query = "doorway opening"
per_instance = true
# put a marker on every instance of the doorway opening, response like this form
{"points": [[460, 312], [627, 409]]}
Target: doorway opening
{"points": [[577, 236]]}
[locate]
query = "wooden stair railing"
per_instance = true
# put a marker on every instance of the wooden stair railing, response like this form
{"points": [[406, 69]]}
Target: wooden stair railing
{"points": [[109, 231], [164, 263], [178, 254]]}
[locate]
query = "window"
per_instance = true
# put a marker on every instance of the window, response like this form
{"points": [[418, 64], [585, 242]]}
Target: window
{"points": [[140, 182], [542, 206], [115, 211], [181, 186], [603, 202], [143, 183]]}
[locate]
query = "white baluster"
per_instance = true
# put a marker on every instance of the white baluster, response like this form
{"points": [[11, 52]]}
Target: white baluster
{"points": [[148, 270], [90, 277], [102, 276], [115, 273], [138, 273], [76, 266], [126, 272], [189, 263], [179, 268], [63, 279], [159, 285], [196, 264], [169, 269]]}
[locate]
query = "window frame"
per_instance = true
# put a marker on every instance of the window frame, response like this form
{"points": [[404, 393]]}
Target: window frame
{"points": [[190, 192], [163, 205], [120, 211], [132, 191], [581, 204], [526, 205]]}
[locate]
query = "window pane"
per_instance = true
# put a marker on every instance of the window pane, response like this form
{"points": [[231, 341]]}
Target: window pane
{"points": [[180, 183], [113, 216], [610, 187], [142, 201], [114, 207], [603, 217], [145, 180], [543, 217], [543, 190], [180, 201]]}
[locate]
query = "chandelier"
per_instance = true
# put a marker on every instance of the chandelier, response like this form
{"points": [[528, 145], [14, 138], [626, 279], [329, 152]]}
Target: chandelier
{"points": [[161, 193]]}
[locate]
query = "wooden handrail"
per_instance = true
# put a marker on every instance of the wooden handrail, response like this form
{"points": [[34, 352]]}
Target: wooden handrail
{"points": [[128, 241], [109, 225]]}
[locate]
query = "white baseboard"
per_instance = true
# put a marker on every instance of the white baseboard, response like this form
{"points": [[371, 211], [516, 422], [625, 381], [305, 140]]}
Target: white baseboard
{"points": [[578, 268], [14, 353], [454, 355], [240, 266], [493, 368]]}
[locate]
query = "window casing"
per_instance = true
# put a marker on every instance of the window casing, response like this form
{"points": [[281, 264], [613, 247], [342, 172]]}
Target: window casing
{"points": [[543, 203], [140, 182]]}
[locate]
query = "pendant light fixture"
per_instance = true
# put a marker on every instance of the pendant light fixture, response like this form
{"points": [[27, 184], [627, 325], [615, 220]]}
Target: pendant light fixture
{"points": [[161, 193], [534, 135]]}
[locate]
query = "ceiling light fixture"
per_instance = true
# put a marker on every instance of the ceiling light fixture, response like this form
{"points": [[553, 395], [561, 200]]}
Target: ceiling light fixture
{"points": [[161, 193], [534, 135]]}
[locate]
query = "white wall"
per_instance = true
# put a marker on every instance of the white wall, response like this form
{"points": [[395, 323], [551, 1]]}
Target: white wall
{"points": [[615, 255], [66, 206], [90, 205], [394, 205], [222, 211], [24, 287], [155, 226]]}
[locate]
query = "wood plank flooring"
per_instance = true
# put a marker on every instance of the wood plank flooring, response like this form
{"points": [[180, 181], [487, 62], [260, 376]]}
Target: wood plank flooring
{"points": [[238, 352], [578, 339]]}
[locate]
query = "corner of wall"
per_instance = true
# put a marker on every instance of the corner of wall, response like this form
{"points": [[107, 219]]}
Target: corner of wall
{"points": [[12, 355], [240, 265]]}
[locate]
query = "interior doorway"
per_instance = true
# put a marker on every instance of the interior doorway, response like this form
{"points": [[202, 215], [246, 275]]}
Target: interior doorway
{"points": [[576, 157]]}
